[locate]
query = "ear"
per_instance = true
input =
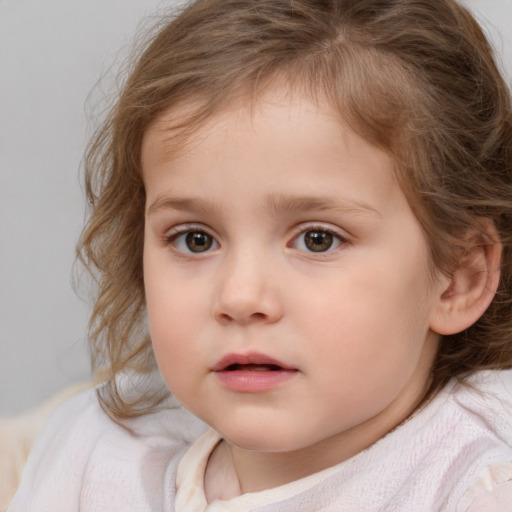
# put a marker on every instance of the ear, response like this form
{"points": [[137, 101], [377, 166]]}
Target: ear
{"points": [[472, 285]]}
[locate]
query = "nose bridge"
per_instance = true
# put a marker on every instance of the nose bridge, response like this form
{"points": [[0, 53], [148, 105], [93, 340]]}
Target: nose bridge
{"points": [[246, 291]]}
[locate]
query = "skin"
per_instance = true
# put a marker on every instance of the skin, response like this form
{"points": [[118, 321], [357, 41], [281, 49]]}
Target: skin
{"points": [[353, 321]]}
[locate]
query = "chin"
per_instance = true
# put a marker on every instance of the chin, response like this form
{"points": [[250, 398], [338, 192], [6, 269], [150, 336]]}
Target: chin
{"points": [[268, 438]]}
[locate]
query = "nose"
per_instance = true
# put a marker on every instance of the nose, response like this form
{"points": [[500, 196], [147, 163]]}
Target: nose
{"points": [[247, 292]]}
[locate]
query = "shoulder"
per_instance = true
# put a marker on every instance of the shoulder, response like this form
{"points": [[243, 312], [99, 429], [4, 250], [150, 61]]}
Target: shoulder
{"points": [[85, 461], [487, 409], [449, 443], [18, 434], [484, 405], [61, 451]]}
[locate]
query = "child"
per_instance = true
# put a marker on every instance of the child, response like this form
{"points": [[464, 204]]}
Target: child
{"points": [[308, 205]]}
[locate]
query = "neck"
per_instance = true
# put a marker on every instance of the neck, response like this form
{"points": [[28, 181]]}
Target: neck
{"points": [[233, 470], [258, 471]]}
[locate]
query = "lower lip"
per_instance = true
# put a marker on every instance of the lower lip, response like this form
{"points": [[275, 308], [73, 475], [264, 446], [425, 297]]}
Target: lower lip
{"points": [[254, 381]]}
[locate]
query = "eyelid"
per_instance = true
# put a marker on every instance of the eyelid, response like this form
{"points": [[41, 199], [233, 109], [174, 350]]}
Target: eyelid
{"points": [[186, 227], [321, 226]]}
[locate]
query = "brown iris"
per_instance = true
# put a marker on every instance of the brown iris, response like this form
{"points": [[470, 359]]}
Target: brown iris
{"points": [[198, 241], [318, 241]]}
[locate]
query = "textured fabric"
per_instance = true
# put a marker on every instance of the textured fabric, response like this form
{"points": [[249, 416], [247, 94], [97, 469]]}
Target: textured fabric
{"points": [[17, 436], [85, 462], [455, 455]]}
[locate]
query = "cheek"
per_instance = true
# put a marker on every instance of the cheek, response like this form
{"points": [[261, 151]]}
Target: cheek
{"points": [[175, 354], [171, 325], [370, 323], [168, 301], [171, 320]]}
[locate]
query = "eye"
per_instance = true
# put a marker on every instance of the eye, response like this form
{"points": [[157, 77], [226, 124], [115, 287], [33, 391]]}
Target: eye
{"points": [[317, 240], [193, 242]]}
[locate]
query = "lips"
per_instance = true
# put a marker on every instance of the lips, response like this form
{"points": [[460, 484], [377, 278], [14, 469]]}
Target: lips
{"points": [[252, 373], [250, 362]]}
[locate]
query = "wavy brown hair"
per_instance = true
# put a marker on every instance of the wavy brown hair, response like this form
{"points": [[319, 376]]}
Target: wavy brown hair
{"points": [[415, 77]]}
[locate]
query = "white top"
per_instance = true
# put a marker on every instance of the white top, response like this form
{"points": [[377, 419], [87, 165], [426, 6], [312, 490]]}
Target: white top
{"points": [[455, 455]]}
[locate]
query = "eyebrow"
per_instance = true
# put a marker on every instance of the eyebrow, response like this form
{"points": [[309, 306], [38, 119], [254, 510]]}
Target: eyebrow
{"points": [[181, 204], [276, 203], [279, 203]]}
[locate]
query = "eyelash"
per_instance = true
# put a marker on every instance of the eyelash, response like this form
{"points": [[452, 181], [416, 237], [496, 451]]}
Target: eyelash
{"points": [[185, 231]]}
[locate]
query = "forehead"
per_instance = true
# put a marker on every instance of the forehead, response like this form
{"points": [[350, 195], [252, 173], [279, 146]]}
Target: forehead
{"points": [[184, 129], [283, 145]]}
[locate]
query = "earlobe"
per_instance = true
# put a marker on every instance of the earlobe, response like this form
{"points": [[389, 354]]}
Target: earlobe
{"points": [[473, 284]]}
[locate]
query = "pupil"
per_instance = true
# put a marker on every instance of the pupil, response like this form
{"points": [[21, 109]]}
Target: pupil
{"points": [[318, 241], [198, 241]]}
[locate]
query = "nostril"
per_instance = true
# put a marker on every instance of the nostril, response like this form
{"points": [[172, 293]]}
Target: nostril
{"points": [[224, 317], [253, 317]]}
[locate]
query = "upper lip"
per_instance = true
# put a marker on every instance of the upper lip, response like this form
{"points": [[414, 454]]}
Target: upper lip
{"points": [[254, 358]]}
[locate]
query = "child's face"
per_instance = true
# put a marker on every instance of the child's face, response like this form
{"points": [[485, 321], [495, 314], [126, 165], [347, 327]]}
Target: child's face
{"points": [[287, 280]]}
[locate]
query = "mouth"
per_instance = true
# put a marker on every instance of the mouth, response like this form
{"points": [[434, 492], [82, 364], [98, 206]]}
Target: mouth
{"points": [[250, 362], [252, 373], [253, 367]]}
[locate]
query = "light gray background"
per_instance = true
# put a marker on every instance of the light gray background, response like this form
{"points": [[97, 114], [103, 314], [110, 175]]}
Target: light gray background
{"points": [[52, 53]]}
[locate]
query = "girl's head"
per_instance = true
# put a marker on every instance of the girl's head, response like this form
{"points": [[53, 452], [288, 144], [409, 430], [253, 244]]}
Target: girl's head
{"points": [[414, 79]]}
